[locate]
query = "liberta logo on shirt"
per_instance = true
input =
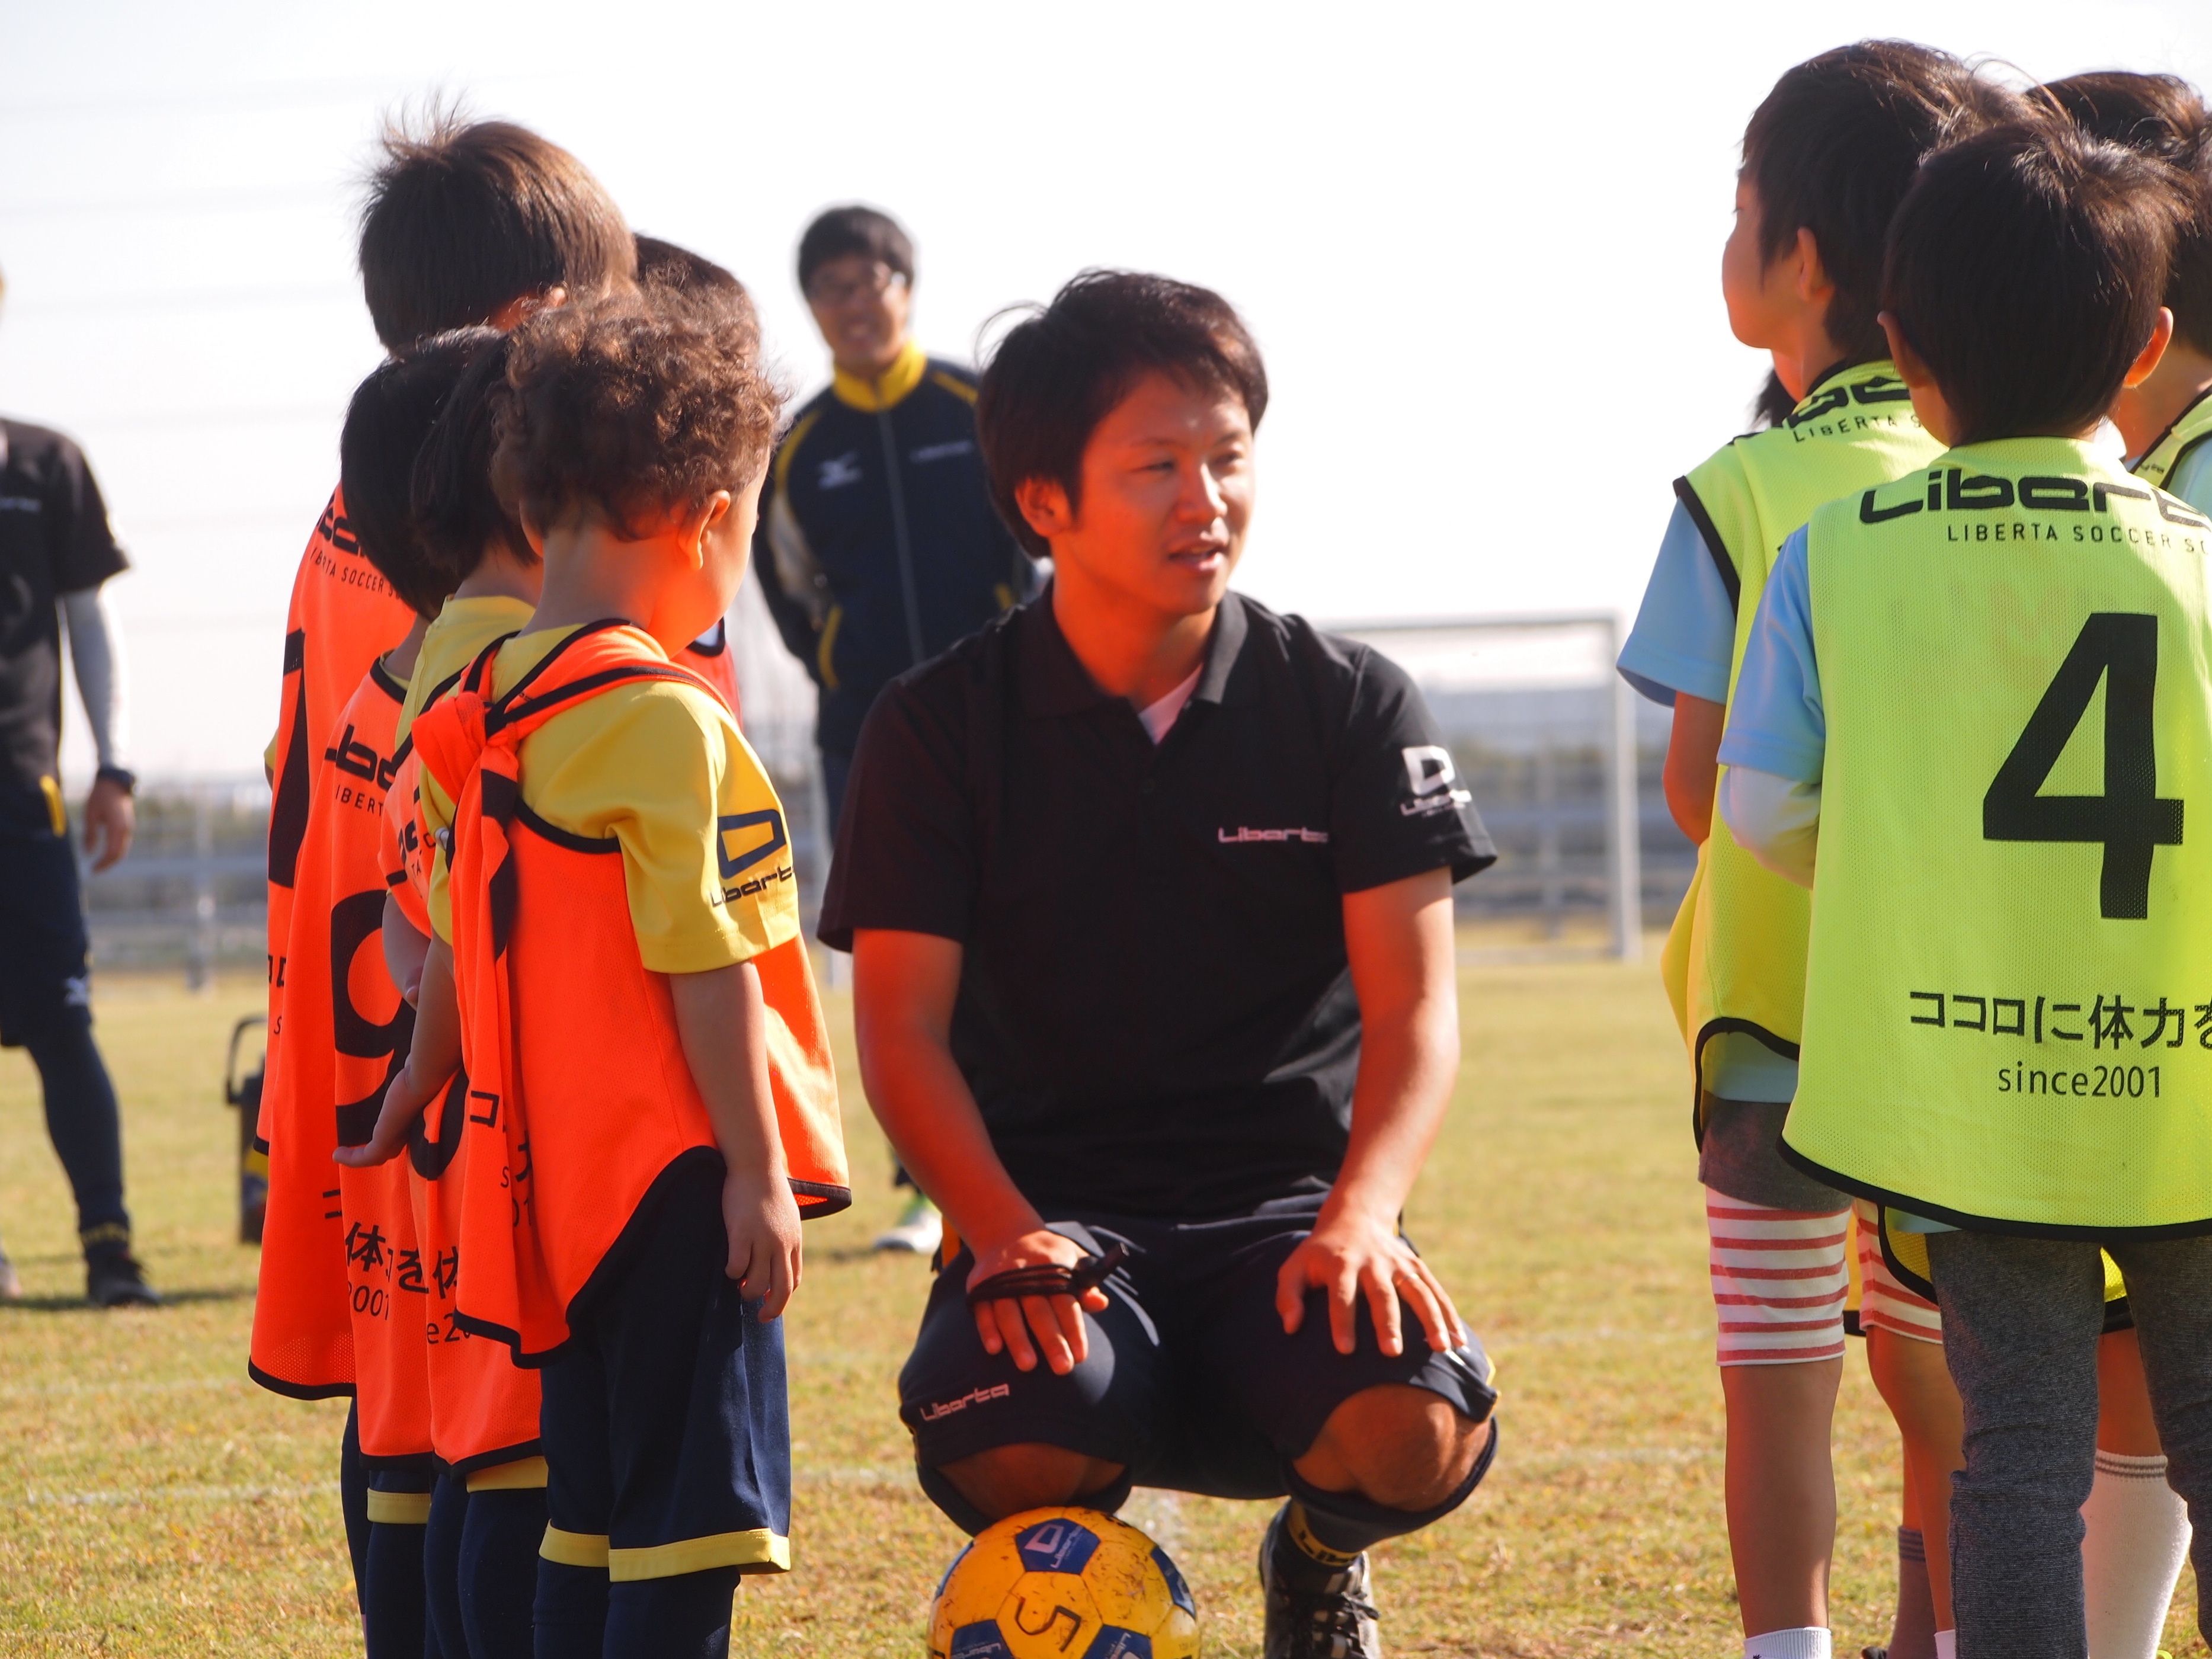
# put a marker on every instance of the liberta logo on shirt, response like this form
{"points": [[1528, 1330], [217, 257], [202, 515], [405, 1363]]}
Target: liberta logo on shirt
{"points": [[1430, 770], [977, 1396], [1242, 834], [944, 451]]}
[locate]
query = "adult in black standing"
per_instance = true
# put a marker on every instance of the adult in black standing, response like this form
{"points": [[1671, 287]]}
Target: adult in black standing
{"points": [[878, 545], [56, 550]]}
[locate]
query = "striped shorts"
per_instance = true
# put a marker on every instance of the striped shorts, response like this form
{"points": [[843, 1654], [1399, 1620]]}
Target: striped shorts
{"points": [[1779, 1279], [1886, 1303]]}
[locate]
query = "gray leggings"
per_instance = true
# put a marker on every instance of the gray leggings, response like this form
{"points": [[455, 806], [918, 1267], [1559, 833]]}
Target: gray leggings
{"points": [[2021, 1322]]}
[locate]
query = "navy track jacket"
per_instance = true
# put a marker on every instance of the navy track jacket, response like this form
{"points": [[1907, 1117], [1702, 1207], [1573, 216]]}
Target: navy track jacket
{"points": [[879, 546]]}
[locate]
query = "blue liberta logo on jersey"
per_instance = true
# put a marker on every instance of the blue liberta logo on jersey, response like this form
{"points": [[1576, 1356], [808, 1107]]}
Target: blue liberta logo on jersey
{"points": [[983, 1641], [733, 865], [1056, 1547], [1112, 1642]]}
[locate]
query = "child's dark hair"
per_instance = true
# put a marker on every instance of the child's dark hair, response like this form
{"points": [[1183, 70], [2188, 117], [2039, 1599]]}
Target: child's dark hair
{"points": [[2161, 115], [1773, 404], [2025, 267], [464, 217], [632, 407], [1833, 148], [391, 414], [662, 264], [454, 508], [665, 268], [844, 231], [1061, 370]]}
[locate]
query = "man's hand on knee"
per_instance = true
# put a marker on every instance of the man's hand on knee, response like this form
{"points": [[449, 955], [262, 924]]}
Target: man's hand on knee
{"points": [[1055, 1322], [1351, 1254]]}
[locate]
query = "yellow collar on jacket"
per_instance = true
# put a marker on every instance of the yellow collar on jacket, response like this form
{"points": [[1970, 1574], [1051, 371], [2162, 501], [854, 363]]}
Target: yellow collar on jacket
{"points": [[904, 374]]}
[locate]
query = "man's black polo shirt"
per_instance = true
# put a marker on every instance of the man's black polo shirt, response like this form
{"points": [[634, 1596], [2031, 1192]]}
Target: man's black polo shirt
{"points": [[1155, 1013], [54, 540]]}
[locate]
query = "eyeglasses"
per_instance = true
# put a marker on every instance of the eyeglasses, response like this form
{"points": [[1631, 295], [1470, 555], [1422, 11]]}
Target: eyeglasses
{"points": [[877, 283]]}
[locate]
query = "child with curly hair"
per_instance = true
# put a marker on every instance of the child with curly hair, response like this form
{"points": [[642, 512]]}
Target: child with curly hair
{"points": [[618, 966]]}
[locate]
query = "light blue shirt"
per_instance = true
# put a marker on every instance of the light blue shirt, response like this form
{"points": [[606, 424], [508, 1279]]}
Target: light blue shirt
{"points": [[1685, 635], [1775, 722]]}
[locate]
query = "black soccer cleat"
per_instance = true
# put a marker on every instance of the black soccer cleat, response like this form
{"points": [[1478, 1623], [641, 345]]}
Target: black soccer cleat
{"points": [[1314, 1612], [116, 1280]]}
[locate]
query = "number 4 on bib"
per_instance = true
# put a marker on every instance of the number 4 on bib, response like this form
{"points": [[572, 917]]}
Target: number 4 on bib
{"points": [[2128, 819]]}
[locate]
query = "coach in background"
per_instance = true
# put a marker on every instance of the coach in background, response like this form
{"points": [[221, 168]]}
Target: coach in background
{"points": [[1149, 894], [56, 550], [878, 546]]}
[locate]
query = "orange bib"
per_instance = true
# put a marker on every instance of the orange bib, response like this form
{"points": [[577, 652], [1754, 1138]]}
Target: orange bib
{"points": [[341, 618], [342, 1305], [484, 1410], [710, 658], [581, 1098]]}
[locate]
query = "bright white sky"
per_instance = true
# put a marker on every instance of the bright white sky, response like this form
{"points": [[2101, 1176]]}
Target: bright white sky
{"points": [[1479, 245]]}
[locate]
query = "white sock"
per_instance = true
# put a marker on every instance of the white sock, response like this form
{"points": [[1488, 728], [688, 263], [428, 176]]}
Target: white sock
{"points": [[2136, 1540], [1946, 1645], [1807, 1642]]}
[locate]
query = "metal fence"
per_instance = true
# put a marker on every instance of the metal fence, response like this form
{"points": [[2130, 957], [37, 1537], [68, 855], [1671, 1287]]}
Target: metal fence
{"points": [[193, 893], [1563, 761]]}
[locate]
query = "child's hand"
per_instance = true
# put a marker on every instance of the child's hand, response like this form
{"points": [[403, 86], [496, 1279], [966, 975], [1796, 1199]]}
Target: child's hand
{"points": [[763, 1220], [405, 1101]]}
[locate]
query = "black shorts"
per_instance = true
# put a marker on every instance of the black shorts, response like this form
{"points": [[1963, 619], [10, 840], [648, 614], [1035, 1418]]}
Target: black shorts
{"points": [[1190, 1383], [664, 1423], [45, 981]]}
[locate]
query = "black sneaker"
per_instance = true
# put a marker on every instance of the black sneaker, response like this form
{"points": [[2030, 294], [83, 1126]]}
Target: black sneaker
{"points": [[114, 1280], [1314, 1612]]}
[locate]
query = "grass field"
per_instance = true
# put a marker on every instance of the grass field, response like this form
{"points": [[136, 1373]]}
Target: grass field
{"points": [[153, 1502]]}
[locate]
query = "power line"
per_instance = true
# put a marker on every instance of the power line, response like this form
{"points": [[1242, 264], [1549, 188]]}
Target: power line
{"points": [[162, 420], [208, 523], [182, 300], [272, 620], [209, 201], [270, 95]]}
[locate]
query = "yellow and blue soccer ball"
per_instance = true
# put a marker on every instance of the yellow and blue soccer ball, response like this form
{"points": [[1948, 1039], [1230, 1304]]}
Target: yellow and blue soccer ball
{"points": [[1063, 1584]]}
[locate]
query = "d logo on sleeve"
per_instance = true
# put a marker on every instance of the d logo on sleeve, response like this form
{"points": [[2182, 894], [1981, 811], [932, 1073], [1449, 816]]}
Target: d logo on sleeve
{"points": [[1430, 771]]}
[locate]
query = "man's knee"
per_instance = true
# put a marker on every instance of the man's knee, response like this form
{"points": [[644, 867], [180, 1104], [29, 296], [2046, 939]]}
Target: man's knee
{"points": [[1007, 1479], [1401, 1446]]}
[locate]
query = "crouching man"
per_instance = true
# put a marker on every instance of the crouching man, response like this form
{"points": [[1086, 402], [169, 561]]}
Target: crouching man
{"points": [[1149, 895]]}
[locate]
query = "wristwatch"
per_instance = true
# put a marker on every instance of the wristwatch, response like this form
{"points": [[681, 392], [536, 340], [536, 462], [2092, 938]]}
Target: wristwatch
{"points": [[125, 780]]}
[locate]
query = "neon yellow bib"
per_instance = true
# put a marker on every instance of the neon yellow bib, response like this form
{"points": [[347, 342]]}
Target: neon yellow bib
{"points": [[2008, 1004], [1736, 956], [2192, 428]]}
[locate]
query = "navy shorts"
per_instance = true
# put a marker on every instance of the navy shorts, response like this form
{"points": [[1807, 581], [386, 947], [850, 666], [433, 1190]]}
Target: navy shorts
{"points": [[1190, 1382], [665, 1424], [44, 977], [399, 1491]]}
